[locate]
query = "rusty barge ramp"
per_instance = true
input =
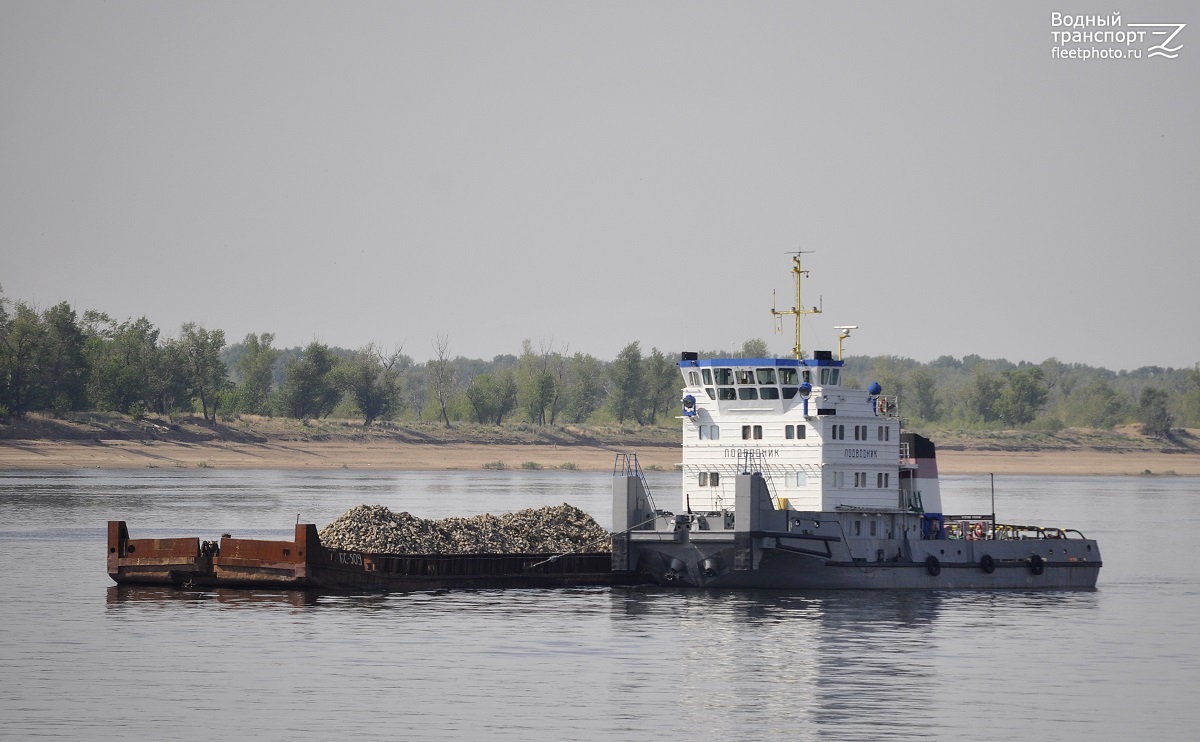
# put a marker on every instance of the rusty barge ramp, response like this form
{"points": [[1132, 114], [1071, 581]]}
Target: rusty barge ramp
{"points": [[304, 564]]}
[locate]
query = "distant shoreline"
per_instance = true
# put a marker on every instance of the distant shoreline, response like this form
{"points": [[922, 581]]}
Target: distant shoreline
{"points": [[399, 456]]}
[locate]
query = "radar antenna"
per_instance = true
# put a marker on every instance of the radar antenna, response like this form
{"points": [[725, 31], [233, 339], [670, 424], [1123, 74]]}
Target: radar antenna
{"points": [[844, 332], [798, 311]]}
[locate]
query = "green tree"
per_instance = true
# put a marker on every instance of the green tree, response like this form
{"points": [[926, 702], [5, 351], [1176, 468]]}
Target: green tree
{"points": [[207, 377], [309, 388], [558, 368], [22, 334], [256, 372], [1190, 402], [372, 380], [62, 366], [124, 360], [1023, 395], [536, 389], [171, 379], [584, 387], [1153, 414], [983, 393], [1097, 404], [492, 396], [627, 392], [662, 384], [922, 386], [755, 348]]}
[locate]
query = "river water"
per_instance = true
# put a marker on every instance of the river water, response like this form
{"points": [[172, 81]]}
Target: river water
{"points": [[82, 659]]}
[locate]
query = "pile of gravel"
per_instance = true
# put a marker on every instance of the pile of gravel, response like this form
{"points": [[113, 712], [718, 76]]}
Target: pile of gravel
{"points": [[554, 529]]}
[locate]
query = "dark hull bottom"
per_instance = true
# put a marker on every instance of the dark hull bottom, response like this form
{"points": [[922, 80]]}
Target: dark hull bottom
{"points": [[380, 573]]}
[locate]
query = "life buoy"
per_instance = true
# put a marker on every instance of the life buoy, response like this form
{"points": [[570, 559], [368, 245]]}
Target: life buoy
{"points": [[1037, 564], [987, 564], [933, 566]]}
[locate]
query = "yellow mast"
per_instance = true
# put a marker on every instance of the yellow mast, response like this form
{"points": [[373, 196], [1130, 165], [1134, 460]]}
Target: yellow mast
{"points": [[798, 310]]}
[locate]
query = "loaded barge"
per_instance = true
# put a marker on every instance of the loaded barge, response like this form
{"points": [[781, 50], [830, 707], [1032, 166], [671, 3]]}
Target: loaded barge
{"points": [[305, 564]]}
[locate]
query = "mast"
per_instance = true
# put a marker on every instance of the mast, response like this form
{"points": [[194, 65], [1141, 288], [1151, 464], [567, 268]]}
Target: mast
{"points": [[798, 310]]}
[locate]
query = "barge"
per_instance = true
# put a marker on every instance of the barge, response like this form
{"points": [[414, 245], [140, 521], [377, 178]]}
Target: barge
{"points": [[305, 564]]}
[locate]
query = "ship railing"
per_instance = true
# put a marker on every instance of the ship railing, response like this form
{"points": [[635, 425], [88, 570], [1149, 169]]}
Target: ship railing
{"points": [[985, 527], [626, 465]]}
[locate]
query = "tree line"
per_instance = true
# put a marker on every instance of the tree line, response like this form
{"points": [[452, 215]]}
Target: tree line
{"points": [[56, 361]]}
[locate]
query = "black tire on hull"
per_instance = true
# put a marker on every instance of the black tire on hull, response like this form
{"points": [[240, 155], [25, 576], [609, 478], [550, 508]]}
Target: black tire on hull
{"points": [[987, 564], [933, 566], [1037, 564]]}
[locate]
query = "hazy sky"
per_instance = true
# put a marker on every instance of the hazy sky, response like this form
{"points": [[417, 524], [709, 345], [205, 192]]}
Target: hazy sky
{"points": [[591, 173]]}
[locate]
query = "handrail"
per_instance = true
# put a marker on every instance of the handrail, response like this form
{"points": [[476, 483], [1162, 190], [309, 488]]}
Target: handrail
{"points": [[626, 465]]}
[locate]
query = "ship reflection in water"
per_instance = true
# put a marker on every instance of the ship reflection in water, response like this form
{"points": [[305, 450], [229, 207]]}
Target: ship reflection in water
{"points": [[222, 596]]}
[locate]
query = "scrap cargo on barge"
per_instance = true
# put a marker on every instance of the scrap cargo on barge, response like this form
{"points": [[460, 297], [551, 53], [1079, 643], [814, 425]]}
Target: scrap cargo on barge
{"points": [[305, 564]]}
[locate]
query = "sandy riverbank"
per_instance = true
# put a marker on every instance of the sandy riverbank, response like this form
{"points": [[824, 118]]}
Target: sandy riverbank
{"points": [[121, 454]]}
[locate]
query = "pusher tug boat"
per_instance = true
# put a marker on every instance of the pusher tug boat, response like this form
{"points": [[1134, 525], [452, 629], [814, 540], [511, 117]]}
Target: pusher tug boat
{"points": [[792, 480]]}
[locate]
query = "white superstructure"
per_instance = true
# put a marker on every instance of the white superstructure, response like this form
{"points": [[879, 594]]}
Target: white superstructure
{"points": [[820, 445]]}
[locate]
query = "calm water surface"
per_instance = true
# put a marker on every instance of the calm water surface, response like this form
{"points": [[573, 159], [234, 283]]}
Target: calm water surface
{"points": [[82, 659]]}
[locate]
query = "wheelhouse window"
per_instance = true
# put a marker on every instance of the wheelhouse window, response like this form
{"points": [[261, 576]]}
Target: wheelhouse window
{"points": [[788, 376], [726, 392], [707, 375], [790, 392], [747, 393], [768, 392], [693, 378], [724, 376], [830, 376], [712, 393], [765, 375], [744, 376]]}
